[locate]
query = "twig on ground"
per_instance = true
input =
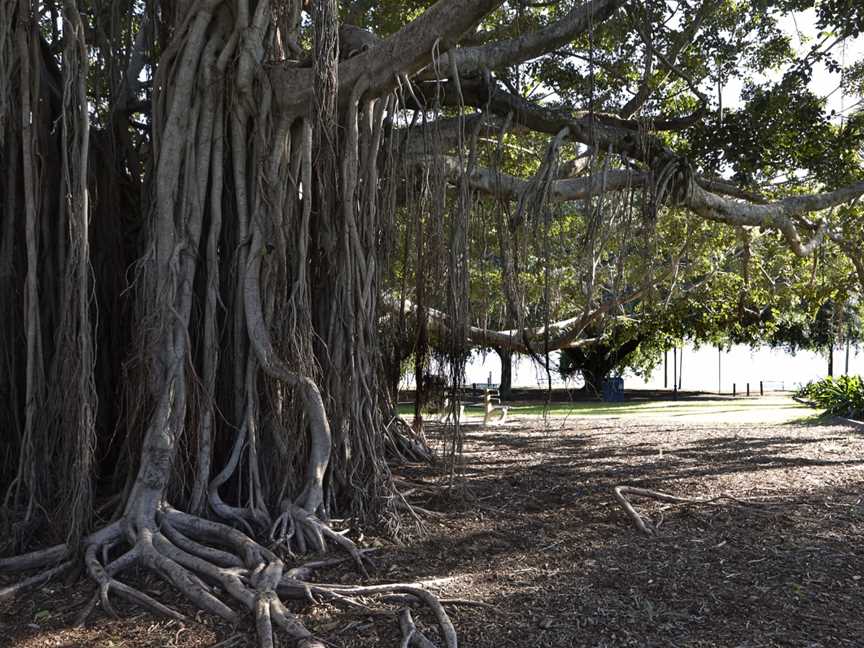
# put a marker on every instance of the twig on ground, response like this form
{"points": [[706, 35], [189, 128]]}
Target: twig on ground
{"points": [[644, 525]]}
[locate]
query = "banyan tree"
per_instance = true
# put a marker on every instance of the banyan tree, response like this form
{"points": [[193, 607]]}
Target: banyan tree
{"points": [[202, 204]]}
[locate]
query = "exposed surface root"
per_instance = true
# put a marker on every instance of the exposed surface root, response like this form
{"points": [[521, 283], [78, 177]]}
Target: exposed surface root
{"points": [[338, 593], [29, 584], [297, 529], [404, 444], [220, 569], [224, 571], [645, 526], [411, 635]]}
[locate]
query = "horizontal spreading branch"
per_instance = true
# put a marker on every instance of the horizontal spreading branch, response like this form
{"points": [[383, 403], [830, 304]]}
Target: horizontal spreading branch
{"points": [[778, 215], [601, 131], [402, 54], [447, 133], [563, 334], [509, 187], [471, 61]]}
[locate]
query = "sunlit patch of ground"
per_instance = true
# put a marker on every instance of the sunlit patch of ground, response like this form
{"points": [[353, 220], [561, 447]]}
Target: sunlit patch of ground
{"points": [[768, 409]]}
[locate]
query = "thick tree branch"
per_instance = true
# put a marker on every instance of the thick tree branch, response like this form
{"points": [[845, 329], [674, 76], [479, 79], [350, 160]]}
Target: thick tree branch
{"points": [[725, 188], [777, 215], [471, 61], [403, 53], [599, 130], [561, 334], [446, 133], [509, 187]]}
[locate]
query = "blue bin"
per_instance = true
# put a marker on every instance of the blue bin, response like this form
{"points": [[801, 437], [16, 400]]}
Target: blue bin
{"points": [[613, 390]]}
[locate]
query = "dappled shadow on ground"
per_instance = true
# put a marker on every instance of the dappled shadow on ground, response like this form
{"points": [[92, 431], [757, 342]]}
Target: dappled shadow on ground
{"points": [[540, 537], [534, 530]]}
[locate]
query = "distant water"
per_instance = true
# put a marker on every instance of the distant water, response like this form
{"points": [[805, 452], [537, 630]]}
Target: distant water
{"points": [[778, 369]]}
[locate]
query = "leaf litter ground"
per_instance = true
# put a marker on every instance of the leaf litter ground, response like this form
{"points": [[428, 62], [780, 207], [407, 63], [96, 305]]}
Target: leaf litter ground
{"points": [[534, 535]]}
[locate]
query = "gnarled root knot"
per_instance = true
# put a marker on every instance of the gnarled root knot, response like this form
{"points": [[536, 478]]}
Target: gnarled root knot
{"points": [[404, 444], [297, 529], [220, 569]]}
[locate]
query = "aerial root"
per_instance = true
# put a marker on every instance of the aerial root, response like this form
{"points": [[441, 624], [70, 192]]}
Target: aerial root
{"points": [[645, 526], [406, 445], [417, 512]]}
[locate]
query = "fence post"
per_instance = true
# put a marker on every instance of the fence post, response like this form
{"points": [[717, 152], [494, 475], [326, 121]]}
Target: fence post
{"points": [[748, 388], [734, 389], [761, 389]]}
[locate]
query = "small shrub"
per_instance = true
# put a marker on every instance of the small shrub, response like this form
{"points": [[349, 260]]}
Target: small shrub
{"points": [[841, 396]]}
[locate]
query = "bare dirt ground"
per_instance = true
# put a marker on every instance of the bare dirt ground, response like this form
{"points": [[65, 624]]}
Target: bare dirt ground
{"points": [[536, 535]]}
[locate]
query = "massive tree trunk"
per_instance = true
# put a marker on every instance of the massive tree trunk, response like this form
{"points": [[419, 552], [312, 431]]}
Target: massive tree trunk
{"points": [[596, 361], [253, 390], [593, 375]]}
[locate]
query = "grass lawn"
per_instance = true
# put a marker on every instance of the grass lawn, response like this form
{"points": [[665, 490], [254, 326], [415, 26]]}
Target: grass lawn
{"points": [[771, 408]]}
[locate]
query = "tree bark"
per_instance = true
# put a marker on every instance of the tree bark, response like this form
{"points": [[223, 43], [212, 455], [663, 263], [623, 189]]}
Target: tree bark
{"points": [[505, 387], [255, 198], [596, 361]]}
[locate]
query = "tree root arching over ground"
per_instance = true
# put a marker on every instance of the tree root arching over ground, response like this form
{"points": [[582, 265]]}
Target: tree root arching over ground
{"points": [[645, 526]]}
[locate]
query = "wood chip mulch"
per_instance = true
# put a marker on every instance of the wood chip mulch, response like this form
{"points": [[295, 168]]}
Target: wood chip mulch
{"points": [[534, 533]]}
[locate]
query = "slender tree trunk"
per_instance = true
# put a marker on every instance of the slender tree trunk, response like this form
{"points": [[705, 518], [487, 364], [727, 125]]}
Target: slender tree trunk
{"points": [[675, 367]]}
